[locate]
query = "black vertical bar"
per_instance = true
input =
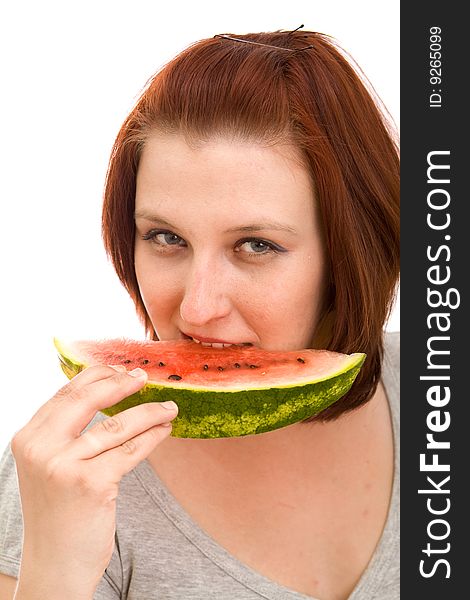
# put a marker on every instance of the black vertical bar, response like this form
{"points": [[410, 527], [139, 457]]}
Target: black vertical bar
{"points": [[435, 62]]}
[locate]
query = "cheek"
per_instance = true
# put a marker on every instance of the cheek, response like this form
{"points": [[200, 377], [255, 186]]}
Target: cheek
{"points": [[297, 307], [287, 313], [158, 290], [158, 299]]}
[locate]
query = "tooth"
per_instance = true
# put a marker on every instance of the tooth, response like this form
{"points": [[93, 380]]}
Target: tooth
{"points": [[214, 344]]}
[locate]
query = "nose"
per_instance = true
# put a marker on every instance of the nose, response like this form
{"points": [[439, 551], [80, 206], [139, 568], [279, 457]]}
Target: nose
{"points": [[206, 295]]}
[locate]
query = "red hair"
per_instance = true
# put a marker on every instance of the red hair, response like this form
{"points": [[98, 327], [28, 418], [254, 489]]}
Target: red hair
{"points": [[315, 100]]}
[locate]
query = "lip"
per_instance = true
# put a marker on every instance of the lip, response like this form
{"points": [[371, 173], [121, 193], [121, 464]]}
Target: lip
{"points": [[213, 340]]}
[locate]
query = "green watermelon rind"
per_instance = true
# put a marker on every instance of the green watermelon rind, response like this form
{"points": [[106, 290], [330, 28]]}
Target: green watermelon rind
{"points": [[217, 414]]}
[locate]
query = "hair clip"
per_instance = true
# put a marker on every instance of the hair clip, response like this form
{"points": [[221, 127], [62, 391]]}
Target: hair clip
{"points": [[235, 39], [297, 29]]}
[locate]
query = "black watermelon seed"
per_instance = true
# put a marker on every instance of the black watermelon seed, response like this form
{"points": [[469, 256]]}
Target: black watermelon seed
{"points": [[236, 365], [220, 368], [160, 364], [301, 360], [205, 367], [127, 361], [254, 367], [145, 361], [175, 377]]}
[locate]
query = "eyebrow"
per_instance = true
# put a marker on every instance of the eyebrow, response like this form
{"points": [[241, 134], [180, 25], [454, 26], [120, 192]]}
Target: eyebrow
{"points": [[142, 214], [251, 228]]}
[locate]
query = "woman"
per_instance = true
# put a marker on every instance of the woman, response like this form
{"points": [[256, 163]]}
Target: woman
{"points": [[251, 198]]}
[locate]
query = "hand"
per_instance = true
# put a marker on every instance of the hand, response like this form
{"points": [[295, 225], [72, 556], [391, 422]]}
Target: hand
{"points": [[69, 480]]}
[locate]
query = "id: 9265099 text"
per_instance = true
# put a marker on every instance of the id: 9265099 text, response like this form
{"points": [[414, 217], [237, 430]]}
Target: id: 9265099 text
{"points": [[435, 67]]}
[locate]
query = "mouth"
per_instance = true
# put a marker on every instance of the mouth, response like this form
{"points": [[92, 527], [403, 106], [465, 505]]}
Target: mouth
{"points": [[212, 342]]}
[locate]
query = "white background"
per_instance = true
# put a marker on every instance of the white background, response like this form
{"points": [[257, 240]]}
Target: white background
{"points": [[70, 74]]}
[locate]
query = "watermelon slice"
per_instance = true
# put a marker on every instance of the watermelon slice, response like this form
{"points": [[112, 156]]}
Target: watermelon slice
{"points": [[222, 392]]}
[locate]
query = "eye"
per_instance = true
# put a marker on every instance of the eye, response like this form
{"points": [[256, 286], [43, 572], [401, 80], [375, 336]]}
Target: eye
{"points": [[259, 247], [164, 238]]}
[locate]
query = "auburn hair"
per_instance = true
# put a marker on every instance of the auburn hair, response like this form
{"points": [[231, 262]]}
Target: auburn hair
{"points": [[278, 90]]}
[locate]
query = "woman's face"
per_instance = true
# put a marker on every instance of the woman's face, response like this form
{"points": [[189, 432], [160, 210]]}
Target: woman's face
{"points": [[228, 244]]}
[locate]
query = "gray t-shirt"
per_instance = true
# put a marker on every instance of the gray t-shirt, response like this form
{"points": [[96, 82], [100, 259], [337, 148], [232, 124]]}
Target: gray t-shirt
{"points": [[162, 554]]}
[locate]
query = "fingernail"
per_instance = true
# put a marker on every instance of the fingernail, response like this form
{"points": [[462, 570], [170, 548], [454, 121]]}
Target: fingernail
{"points": [[169, 405], [137, 373]]}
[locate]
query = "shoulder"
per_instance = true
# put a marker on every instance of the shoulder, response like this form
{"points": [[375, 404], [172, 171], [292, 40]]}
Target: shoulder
{"points": [[8, 479], [391, 360], [391, 374], [392, 347], [11, 520]]}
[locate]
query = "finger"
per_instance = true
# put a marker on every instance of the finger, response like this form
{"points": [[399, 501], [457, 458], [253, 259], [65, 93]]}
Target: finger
{"points": [[38, 423], [78, 404], [114, 431], [122, 459], [87, 376]]}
